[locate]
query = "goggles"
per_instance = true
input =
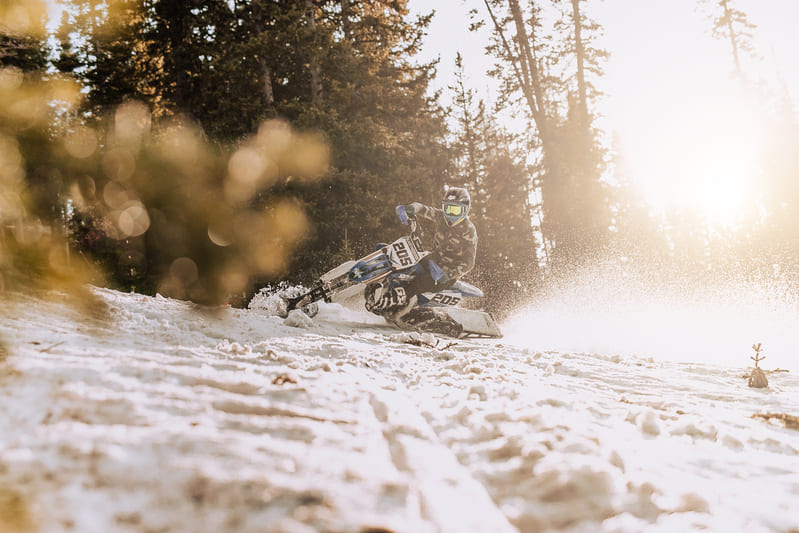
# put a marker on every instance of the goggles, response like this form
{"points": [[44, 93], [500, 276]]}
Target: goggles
{"points": [[453, 209]]}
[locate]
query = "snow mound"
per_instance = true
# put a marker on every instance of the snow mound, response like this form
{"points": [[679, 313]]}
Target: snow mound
{"points": [[272, 300], [298, 319], [413, 337]]}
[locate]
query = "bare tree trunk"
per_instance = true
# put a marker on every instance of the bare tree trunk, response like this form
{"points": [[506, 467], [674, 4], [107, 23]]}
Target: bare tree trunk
{"points": [[178, 28], [525, 66], [263, 64], [346, 26], [464, 101], [266, 81], [733, 36], [316, 71], [529, 67], [580, 52]]}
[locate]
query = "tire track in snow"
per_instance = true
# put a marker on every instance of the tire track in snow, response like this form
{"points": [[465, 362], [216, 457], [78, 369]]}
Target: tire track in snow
{"points": [[113, 427], [131, 434], [448, 495]]}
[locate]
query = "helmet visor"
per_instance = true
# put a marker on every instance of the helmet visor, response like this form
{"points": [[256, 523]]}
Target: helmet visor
{"points": [[453, 209]]}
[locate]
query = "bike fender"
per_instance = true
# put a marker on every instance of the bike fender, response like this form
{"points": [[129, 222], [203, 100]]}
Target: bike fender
{"points": [[445, 298], [467, 289]]}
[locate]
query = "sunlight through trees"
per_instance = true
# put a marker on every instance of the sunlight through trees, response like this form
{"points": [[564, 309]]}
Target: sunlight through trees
{"points": [[205, 148]]}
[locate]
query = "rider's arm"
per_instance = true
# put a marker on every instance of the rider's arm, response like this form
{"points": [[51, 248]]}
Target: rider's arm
{"points": [[465, 260], [418, 210]]}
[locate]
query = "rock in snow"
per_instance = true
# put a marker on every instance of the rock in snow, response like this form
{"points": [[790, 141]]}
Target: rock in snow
{"points": [[164, 419]]}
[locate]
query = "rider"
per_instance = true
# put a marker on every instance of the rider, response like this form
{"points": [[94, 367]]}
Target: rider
{"points": [[453, 254]]}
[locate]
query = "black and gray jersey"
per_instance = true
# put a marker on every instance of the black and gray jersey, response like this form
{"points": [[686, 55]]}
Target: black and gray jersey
{"points": [[454, 247]]}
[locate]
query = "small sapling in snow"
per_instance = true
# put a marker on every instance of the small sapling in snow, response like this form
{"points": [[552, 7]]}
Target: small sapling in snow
{"points": [[757, 378]]}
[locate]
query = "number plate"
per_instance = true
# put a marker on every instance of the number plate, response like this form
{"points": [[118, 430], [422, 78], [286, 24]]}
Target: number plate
{"points": [[402, 253]]}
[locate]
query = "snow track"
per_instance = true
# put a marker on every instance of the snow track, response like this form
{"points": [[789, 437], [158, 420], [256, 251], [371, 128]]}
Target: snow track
{"points": [[167, 418]]}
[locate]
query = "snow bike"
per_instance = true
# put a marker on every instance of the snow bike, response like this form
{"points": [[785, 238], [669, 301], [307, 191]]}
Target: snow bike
{"points": [[434, 312]]}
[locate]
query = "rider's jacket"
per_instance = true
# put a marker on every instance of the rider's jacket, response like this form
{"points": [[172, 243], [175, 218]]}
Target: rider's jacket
{"points": [[454, 247]]}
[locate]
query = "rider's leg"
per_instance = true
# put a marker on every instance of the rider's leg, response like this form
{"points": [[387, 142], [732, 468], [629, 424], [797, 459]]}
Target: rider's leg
{"points": [[382, 300], [422, 280], [392, 299], [400, 291]]}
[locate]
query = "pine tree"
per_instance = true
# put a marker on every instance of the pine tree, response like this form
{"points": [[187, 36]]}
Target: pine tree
{"points": [[23, 36], [507, 264], [386, 133], [36, 173], [163, 53], [342, 71], [576, 214], [103, 46], [262, 69], [24, 58], [732, 25]]}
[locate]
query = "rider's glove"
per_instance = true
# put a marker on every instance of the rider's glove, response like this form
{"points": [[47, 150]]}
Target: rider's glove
{"points": [[406, 212], [412, 209]]}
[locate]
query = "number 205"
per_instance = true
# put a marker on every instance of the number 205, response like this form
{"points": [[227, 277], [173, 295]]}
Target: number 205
{"points": [[445, 299]]}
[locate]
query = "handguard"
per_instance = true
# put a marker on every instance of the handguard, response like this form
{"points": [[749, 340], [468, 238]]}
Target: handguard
{"points": [[403, 216]]}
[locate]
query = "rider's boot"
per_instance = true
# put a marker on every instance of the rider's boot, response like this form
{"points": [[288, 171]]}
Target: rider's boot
{"points": [[432, 320], [386, 301]]}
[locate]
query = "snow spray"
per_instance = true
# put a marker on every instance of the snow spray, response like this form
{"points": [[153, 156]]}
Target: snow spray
{"points": [[617, 309]]}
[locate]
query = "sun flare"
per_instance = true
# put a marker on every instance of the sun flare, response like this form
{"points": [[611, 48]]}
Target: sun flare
{"points": [[700, 153]]}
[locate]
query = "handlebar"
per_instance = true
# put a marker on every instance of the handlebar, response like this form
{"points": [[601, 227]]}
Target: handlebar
{"points": [[416, 234], [408, 221]]}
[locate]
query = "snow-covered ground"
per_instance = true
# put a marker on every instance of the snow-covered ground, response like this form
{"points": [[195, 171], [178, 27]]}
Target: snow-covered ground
{"points": [[165, 418]]}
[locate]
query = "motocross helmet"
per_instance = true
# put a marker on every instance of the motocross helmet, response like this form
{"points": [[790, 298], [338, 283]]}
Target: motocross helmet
{"points": [[455, 205]]}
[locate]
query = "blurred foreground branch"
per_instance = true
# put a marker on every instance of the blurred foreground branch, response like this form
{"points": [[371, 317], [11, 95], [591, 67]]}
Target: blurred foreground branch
{"points": [[149, 206]]}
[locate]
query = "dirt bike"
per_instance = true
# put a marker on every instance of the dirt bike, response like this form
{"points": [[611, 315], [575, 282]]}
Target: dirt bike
{"points": [[436, 312]]}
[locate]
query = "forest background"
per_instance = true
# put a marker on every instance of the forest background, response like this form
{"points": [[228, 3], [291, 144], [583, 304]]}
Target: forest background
{"points": [[202, 149]]}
